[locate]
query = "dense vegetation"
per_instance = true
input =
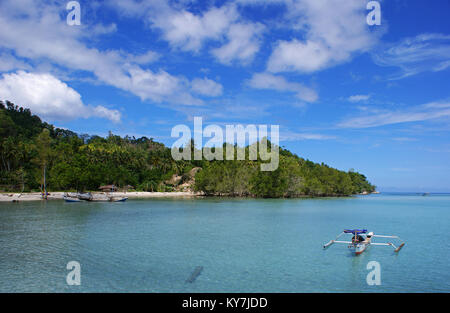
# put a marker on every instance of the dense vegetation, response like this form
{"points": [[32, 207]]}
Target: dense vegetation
{"points": [[34, 154]]}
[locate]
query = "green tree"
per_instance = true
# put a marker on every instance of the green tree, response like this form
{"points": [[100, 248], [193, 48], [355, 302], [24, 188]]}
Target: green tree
{"points": [[43, 142]]}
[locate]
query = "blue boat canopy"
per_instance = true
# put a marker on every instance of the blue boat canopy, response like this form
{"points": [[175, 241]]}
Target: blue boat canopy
{"points": [[355, 231]]}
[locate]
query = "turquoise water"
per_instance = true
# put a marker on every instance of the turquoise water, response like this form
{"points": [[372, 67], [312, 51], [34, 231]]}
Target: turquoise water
{"points": [[243, 245]]}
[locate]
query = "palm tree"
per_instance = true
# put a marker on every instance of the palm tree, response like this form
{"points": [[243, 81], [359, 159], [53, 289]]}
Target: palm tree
{"points": [[43, 146]]}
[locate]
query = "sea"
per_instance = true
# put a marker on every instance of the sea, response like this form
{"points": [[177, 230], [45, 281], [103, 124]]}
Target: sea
{"points": [[225, 245]]}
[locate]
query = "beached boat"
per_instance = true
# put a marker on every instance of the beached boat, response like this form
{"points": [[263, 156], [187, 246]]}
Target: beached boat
{"points": [[108, 199], [361, 240], [92, 198], [71, 199], [120, 199]]}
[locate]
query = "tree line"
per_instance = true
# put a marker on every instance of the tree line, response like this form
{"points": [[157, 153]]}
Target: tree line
{"points": [[36, 156]]}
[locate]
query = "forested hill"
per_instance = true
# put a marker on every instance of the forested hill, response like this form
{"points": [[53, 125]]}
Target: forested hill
{"points": [[29, 148]]}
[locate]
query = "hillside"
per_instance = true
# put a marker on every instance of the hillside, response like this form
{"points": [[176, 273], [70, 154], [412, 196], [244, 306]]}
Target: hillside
{"points": [[30, 147]]}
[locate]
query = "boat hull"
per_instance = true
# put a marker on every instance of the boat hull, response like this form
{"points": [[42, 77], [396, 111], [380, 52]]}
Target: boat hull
{"points": [[67, 199], [358, 248], [110, 200], [121, 200]]}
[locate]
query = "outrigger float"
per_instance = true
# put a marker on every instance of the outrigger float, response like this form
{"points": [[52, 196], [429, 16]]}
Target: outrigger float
{"points": [[361, 239]]}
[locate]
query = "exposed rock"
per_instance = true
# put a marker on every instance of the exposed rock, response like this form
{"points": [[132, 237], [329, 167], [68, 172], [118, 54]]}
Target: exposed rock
{"points": [[188, 180], [194, 171], [174, 180]]}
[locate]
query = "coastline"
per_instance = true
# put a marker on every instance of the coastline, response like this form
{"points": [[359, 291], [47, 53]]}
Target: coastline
{"points": [[36, 196], [59, 195]]}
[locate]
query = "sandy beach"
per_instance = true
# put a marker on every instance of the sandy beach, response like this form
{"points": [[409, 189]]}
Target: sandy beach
{"points": [[36, 196]]}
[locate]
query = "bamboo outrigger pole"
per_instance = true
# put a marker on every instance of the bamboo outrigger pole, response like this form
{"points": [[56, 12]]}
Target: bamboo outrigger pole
{"points": [[332, 241]]}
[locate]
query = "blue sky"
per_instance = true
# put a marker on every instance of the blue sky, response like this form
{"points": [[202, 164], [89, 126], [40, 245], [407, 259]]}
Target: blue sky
{"points": [[373, 98]]}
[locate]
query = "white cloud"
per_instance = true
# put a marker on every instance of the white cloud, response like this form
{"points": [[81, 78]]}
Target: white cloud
{"points": [[188, 31], [269, 81], [425, 52], [159, 87], [334, 31], [35, 31], [145, 58], [441, 66], [299, 56], [358, 98], [100, 29], [328, 31], [425, 112], [101, 111], [437, 105], [8, 62], [184, 30], [206, 87], [49, 97], [243, 43]]}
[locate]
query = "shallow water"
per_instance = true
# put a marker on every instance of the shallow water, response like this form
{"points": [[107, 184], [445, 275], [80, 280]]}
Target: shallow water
{"points": [[242, 245]]}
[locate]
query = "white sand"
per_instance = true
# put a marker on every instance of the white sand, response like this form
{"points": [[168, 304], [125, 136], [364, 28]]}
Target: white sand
{"points": [[143, 195], [36, 196]]}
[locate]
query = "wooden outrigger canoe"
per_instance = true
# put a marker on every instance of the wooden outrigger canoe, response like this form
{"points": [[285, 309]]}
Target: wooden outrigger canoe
{"points": [[88, 197], [361, 240], [71, 199]]}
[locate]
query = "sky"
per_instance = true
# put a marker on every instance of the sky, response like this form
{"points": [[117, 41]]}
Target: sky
{"points": [[373, 98]]}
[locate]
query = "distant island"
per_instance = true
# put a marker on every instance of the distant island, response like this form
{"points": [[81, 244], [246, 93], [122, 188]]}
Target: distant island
{"points": [[38, 157]]}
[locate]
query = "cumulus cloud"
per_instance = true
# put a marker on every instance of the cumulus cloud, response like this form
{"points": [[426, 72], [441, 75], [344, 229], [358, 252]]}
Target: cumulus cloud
{"points": [[206, 87], [188, 31], [274, 82], [159, 87], [240, 40], [49, 97], [334, 31], [35, 31], [243, 43]]}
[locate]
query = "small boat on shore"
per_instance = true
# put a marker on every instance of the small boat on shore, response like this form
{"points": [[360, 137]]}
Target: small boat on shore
{"points": [[71, 199], [109, 199], [361, 240], [120, 200], [79, 197], [91, 198]]}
